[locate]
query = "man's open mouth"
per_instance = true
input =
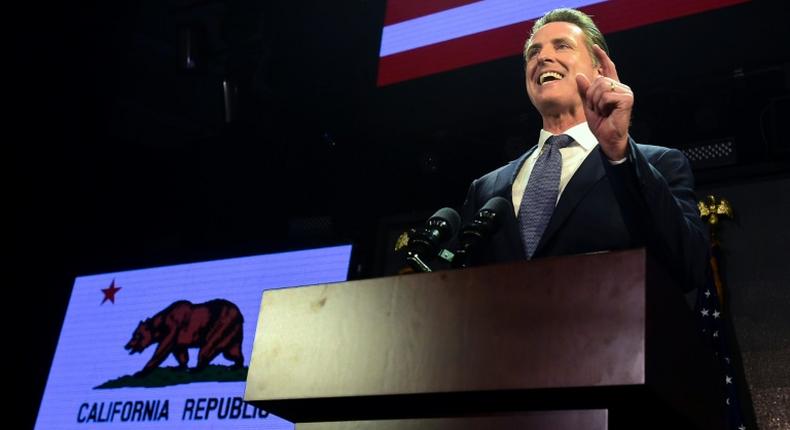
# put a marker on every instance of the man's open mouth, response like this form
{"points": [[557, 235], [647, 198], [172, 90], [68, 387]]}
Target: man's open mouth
{"points": [[548, 77]]}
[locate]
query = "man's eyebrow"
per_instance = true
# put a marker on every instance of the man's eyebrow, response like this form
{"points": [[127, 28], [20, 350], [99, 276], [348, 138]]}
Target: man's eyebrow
{"points": [[563, 40], [532, 47]]}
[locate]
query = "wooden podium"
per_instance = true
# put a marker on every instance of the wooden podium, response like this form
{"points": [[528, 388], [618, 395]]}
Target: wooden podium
{"points": [[602, 341]]}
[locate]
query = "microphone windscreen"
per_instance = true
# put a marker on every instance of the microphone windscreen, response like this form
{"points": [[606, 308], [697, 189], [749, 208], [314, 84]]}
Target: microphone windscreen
{"points": [[451, 217], [498, 205]]}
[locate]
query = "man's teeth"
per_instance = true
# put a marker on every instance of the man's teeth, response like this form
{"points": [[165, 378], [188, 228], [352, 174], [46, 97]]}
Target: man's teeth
{"points": [[546, 76]]}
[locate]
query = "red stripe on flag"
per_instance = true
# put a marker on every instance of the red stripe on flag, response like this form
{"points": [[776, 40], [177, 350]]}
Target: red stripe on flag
{"points": [[614, 15], [404, 10]]}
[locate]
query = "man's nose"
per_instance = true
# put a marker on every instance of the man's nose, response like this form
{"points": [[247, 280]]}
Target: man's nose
{"points": [[544, 55]]}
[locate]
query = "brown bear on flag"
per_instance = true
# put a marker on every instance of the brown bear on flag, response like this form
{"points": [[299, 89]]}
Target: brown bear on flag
{"points": [[215, 327]]}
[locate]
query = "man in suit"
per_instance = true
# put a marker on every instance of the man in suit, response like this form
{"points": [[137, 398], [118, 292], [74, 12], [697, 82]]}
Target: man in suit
{"points": [[587, 186]]}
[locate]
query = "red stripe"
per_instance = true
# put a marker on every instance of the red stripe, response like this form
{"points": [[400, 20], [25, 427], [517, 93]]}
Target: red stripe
{"points": [[614, 15], [404, 10], [617, 15]]}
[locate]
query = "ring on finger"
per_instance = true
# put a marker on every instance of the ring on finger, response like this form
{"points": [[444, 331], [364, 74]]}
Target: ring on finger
{"points": [[611, 85]]}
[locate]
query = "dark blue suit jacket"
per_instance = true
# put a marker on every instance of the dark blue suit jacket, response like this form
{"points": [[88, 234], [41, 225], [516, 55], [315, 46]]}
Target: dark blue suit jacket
{"points": [[647, 201]]}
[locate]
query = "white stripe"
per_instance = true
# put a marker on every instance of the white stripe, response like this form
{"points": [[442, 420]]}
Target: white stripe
{"points": [[465, 20]]}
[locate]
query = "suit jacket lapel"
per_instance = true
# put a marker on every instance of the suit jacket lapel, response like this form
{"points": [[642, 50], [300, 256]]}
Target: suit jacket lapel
{"points": [[504, 188], [589, 173]]}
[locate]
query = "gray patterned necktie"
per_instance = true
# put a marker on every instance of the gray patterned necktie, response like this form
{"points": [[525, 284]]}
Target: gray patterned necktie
{"points": [[540, 196]]}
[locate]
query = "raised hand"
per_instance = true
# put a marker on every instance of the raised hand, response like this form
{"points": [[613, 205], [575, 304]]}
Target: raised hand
{"points": [[607, 106]]}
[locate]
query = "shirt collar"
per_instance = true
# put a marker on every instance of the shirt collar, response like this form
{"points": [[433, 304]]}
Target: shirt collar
{"points": [[580, 133]]}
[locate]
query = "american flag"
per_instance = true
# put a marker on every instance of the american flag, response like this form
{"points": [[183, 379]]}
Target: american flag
{"points": [[422, 37], [715, 331]]}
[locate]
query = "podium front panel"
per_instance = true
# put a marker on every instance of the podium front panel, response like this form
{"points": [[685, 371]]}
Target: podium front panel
{"points": [[558, 322]]}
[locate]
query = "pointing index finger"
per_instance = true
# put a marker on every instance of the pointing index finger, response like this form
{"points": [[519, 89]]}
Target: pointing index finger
{"points": [[583, 84], [607, 66]]}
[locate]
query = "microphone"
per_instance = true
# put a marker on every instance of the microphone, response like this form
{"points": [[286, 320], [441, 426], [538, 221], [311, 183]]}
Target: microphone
{"points": [[424, 242], [485, 224]]}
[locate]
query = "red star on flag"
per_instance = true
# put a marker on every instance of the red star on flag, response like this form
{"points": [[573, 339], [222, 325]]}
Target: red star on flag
{"points": [[109, 292]]}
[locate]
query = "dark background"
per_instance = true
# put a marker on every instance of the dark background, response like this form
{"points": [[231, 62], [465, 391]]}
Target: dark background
{"points": [[123, 158]]}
